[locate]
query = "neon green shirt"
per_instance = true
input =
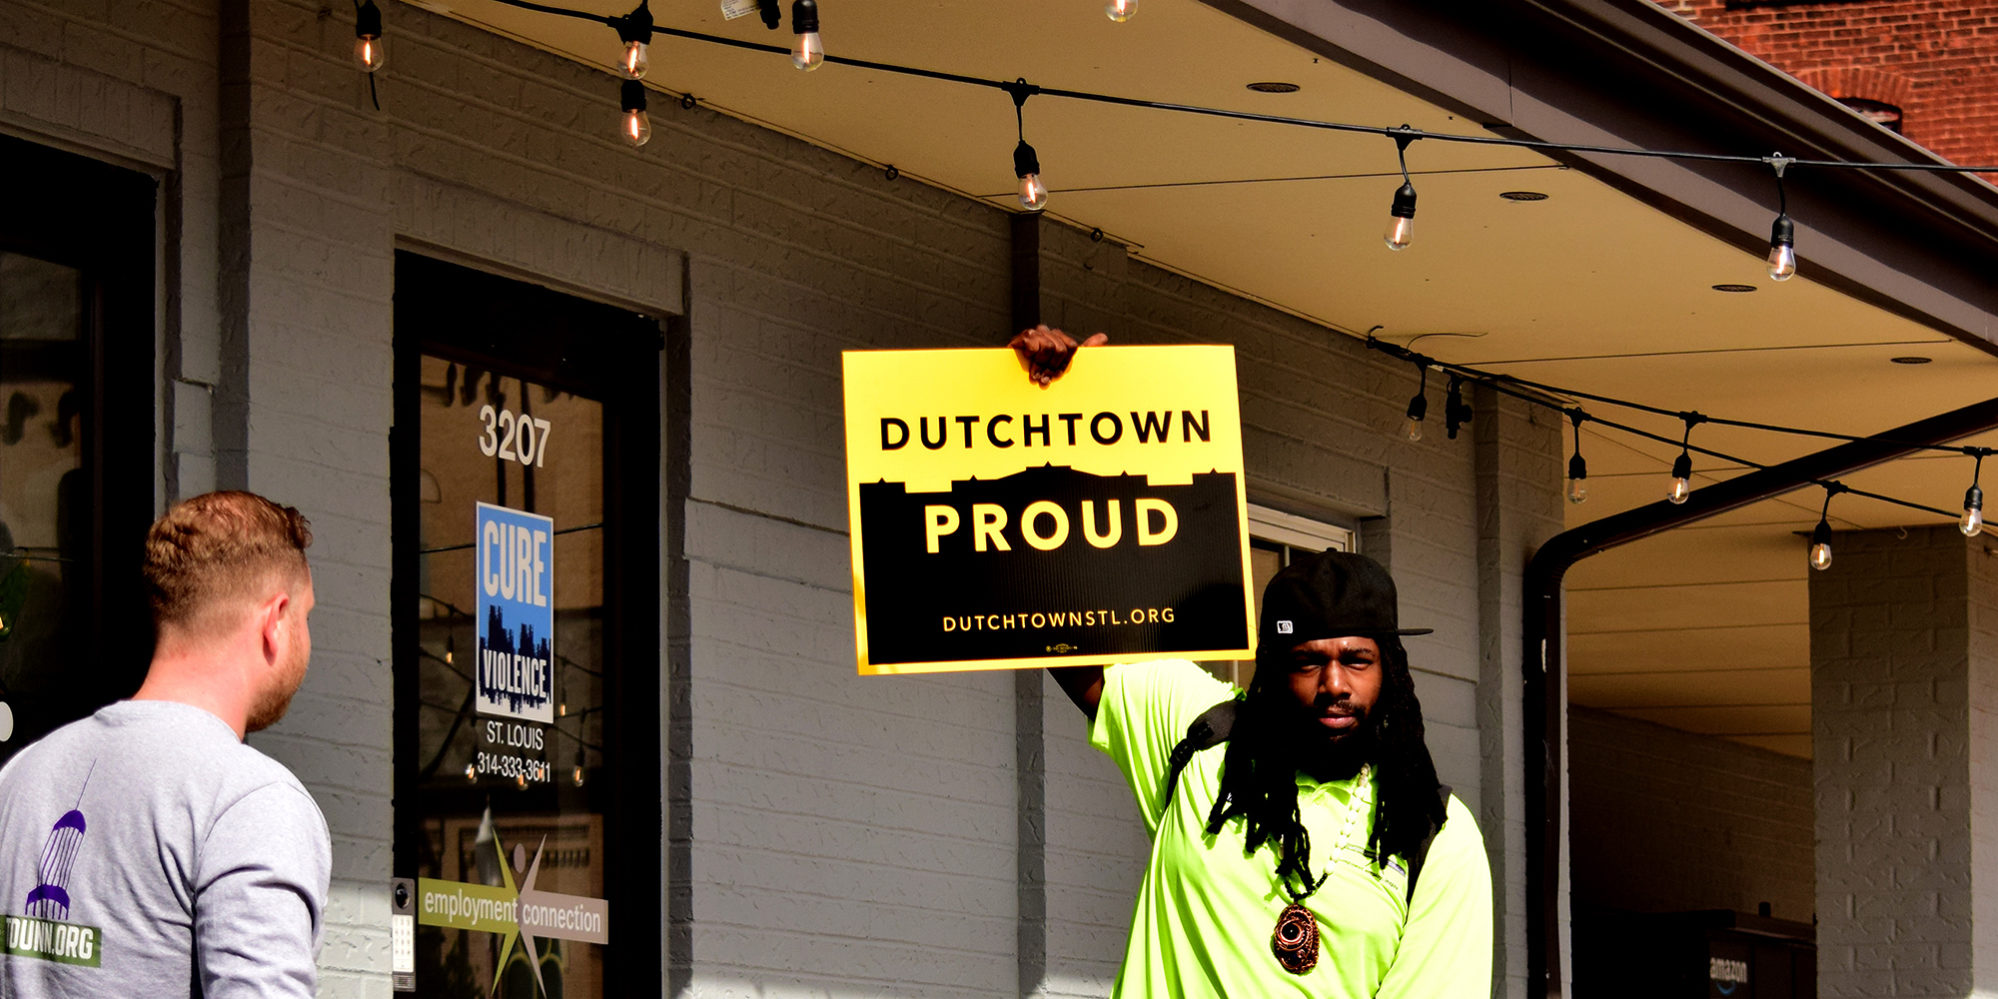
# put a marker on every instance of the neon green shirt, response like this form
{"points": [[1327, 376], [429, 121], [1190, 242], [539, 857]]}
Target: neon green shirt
{"points": [[1205, 911]]}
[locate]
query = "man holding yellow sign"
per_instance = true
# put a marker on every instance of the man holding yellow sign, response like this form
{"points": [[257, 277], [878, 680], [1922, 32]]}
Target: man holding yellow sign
{"points": [[1325, 798]]}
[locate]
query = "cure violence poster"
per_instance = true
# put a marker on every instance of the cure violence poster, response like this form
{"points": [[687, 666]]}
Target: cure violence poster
{"points": [[999, 524], [516, 614]]}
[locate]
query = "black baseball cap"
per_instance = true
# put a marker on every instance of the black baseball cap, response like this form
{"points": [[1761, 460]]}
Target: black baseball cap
{"points": [[1330, 595]]}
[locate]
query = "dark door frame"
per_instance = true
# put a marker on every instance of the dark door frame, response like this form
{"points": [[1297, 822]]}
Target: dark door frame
{"points": [[610, 355]]}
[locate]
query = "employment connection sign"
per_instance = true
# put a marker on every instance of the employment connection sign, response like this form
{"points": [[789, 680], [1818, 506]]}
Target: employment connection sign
{"points": [[516, 915], [1000, 524]]}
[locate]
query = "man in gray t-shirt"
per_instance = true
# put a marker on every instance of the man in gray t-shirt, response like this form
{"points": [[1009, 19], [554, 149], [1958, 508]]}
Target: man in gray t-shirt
{"points": [[146, 850]]}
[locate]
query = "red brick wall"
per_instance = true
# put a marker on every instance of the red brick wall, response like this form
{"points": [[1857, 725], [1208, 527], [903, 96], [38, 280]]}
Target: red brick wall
{"points": [[1937, 60]]}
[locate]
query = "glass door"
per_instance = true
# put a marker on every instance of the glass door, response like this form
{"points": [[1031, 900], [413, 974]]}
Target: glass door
{"points": [[526, 674], [76, 437]]}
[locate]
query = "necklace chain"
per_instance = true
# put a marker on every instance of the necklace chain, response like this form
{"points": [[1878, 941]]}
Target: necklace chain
{"points": [[1358, 801]]}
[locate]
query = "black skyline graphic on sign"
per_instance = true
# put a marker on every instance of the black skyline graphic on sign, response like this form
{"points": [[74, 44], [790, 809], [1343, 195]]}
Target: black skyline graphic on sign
{"points": [[501, 641], [955, 604]]}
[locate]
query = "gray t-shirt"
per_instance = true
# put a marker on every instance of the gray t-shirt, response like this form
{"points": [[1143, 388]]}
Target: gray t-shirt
{"points": [[144, 850]]}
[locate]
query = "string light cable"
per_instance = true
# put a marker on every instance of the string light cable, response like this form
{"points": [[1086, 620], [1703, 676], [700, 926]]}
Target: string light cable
{"points": [[1564, 392], [1402, 135], [1393, 132], [1547, 397], [1578, 471]]}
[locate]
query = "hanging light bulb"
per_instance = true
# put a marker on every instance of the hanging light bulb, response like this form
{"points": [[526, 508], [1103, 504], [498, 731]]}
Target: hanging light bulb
{"points": [[810, 52], [1401, 218], [369, 50], [576, 775], [472, 772], [1682, 479], [637, 127], [1783, 249], [1120, 10], [1033, 193], [1821, 553], [1782, 235], [1578, 470], [1973, 500], [1821, 545], [636, 60], [635, 30], [1682, 466]]}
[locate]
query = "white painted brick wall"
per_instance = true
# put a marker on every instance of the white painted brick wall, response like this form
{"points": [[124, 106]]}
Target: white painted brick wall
{"points": [[317, 335], [885, 803], [1095, 856], [1517, 456], [1901, 692]]}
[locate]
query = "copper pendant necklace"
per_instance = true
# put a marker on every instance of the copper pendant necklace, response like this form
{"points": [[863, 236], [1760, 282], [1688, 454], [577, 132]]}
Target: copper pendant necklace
{"points": [[1295, 941]]}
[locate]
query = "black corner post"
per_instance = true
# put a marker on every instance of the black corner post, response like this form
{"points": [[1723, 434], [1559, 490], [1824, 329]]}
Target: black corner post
{"points": [[1026, 271], [1028, 731]]}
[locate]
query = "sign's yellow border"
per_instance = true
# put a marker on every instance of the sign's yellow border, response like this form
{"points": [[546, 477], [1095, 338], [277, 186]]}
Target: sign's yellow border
{"points": [[992, 379]]}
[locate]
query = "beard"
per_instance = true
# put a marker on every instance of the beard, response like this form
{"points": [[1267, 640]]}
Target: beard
{"points": [[274, 700], [1334, 755]]}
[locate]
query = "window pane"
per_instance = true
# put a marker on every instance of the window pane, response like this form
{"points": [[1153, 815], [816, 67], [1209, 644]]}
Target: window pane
{"points": [[478, 809]]}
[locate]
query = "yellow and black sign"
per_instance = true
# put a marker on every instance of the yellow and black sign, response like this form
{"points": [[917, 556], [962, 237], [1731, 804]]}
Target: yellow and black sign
{"points": [[1001, 525]]}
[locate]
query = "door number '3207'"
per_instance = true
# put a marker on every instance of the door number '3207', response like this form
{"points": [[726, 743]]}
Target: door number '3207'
{"points": [[513, 436]]}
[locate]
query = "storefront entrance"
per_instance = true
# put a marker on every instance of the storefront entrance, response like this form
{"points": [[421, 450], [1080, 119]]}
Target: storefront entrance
{"points": [[76, 448], [525, 492]]}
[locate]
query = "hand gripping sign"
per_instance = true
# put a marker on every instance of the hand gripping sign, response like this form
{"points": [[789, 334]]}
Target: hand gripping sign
{"points": [[999, 524]]}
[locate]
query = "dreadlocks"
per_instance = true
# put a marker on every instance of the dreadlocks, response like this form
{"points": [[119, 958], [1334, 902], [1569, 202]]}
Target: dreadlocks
{"points": [[1258, 775]]}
